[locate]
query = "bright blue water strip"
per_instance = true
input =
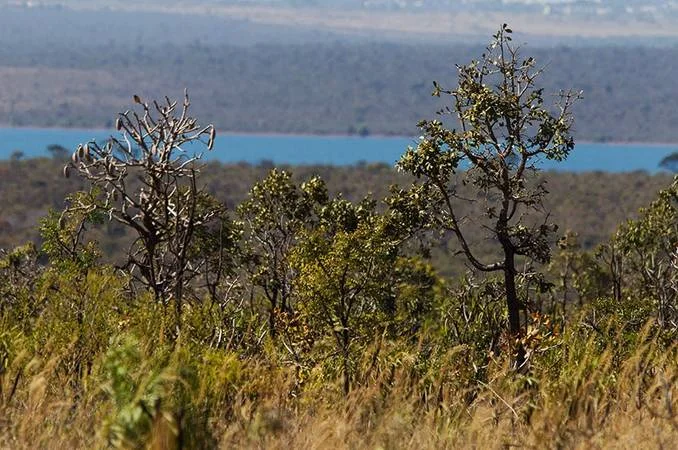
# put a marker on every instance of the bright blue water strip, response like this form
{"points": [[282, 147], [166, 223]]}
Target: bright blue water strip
{"points": [[338, 150]]}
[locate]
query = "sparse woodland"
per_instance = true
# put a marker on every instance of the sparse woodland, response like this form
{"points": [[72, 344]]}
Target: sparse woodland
{"points": [[448, 310]]}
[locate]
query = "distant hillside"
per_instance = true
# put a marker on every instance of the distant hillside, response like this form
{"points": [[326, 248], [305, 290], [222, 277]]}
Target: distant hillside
{"points": [[294, 87]]}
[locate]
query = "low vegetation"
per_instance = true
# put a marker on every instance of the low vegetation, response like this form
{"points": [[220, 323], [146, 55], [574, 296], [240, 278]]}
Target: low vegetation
{"points": [[303, 319]]}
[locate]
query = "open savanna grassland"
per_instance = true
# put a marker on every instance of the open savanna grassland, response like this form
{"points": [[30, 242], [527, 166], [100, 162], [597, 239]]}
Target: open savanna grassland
{"points": [[168, 304], [86, 361]]}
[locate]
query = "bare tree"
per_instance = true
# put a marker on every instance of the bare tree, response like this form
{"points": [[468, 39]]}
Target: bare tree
{"points": [[146, 180]]}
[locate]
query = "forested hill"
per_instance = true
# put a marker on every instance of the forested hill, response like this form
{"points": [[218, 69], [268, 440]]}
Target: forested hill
{"points": [[71, 68], [330, 87]]}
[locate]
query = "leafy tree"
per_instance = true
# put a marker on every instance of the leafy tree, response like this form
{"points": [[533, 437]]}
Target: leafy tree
{"points": [[504, 129], [19, 276], [670, 162], [354, 285], [341, 270], [274, 214], [16, 155], [577, 274], [58, 152], [648, 248], [63, 234], [79, 292]]}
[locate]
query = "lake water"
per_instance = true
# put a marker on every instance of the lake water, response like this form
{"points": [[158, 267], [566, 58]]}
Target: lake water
{"points": [[337, 150]]}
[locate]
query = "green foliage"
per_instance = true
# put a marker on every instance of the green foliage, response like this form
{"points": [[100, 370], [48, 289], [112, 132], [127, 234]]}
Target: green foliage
{"points": [[10, 341], [417, 286], [214, 249], [587, 203], [225, 324], [93, 365], [275, 213], [342, 267], [137, 396], [471, 320], [78, 315], [504, 129], [19, 277], [63, 233], [354, 286], [578, 276], [648, 260]]}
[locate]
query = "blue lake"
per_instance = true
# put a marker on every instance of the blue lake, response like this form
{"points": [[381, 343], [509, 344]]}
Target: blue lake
{"points": [[338, 150]]}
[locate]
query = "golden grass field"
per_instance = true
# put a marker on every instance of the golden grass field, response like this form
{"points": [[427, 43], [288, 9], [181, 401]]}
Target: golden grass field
{"points": [[588, 397]]}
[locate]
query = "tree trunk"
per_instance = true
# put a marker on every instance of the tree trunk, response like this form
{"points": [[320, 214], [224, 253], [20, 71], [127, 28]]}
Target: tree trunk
{"points": [[513, 306], [346, 358], [271, 321], [512, 303], [178, 306]]}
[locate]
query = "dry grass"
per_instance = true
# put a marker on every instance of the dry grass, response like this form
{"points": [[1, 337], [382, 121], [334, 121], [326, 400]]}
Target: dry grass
{"points": [[590, 399]]}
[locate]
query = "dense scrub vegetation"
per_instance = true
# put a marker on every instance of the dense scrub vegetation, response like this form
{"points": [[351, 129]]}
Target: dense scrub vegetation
{"points": [[300, 318], [589, 204]]}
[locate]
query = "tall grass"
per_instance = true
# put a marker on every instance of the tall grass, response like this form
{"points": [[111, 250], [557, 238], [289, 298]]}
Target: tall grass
{"points": [[583, 390]]}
